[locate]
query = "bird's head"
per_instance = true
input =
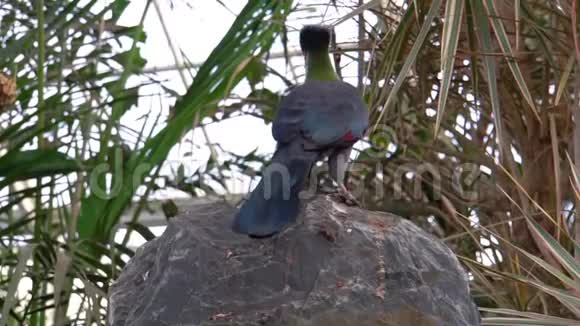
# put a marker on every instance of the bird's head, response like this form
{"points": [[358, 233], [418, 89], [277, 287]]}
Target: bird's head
{"points": [[314, 38], [315, 42]]}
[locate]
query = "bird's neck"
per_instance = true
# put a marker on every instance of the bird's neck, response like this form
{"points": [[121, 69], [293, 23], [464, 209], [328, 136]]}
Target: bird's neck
{"points": [[319, 67]]}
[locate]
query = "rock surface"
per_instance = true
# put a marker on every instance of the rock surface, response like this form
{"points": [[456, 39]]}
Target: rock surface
{"points": [[338, 265]]}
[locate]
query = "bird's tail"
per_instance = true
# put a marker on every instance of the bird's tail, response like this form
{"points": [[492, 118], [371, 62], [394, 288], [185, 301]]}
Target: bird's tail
{"points": [[275, 202]]}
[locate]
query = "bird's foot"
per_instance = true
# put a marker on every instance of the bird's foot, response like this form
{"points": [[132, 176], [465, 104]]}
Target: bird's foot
{"points": [[343, 195], [327, 190], [349, 198]]}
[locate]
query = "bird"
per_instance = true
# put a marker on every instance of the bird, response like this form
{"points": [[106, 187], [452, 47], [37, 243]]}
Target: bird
{"points": [[321, 118]]}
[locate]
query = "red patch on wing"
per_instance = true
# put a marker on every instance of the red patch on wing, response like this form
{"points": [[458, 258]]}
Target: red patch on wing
{"points": [[349, 136]]}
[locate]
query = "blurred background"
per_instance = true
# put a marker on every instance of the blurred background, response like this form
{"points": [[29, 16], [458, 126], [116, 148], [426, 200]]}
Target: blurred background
{"points": [[113, 113]]}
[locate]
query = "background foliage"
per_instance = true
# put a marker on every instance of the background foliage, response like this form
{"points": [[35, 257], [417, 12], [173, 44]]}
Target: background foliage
{"points": [[481, 90]]}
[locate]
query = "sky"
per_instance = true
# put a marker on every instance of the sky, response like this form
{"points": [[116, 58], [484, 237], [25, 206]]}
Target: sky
{"points": [[195, 28]]}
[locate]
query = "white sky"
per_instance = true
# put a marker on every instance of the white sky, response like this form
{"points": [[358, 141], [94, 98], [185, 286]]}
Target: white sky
{"points": [[195, 30]]}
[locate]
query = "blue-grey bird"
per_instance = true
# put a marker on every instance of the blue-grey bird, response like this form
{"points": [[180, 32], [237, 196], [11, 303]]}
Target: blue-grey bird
{"points": [[321, 118]]}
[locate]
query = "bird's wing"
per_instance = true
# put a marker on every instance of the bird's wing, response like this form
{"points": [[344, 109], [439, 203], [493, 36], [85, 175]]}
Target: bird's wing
{"points": [[321, 113]]}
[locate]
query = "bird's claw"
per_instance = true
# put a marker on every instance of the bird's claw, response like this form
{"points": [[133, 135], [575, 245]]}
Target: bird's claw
{"points": [[344, 196], [349, 198], [340, 193], [327, 190]]}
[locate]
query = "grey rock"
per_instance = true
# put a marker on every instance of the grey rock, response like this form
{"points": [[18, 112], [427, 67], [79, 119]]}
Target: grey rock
{"points": [[338, 265]]}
